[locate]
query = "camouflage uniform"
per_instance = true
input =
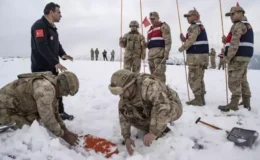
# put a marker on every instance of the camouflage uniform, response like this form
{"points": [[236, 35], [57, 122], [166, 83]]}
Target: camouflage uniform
{"points": [[212, 55], [92, 54], [238, 59], [221, 60], [145, 103], [157, 56], [132, 42], [196, 62], [112, 55], [34, 97], [96, 53]]}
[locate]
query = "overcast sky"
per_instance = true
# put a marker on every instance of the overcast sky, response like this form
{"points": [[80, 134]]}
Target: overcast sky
{"points": [[96, 23]]}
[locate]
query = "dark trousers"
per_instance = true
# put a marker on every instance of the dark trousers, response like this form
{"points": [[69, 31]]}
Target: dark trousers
{"points": [[55, 72]]}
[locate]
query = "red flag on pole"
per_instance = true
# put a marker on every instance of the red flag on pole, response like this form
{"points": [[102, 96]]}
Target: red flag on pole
{"points": [[238, 4], [145, 22]]}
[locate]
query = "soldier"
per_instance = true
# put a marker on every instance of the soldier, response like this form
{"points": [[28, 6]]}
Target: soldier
{"points": [[134, 44], [96, 53], [92, 54], [145, 103], [159, 44], [34, 96], [46, 48], [112, 55], [239, 48], [105, 55], [221, 61], [212, 55], [197, 49]]}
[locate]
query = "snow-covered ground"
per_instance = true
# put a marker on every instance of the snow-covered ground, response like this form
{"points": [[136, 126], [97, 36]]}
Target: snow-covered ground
{"points": [[95, 111]]}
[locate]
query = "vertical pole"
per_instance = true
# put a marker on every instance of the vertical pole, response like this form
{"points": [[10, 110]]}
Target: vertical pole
{"points": [[141, 11], [121, 30]]}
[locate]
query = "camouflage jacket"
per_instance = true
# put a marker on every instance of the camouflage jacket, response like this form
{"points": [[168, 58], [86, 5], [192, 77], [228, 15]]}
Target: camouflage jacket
{"points": [[33, 96], [194, 59], [212, 53], [151, 109], [132, 42], [237, 30]]}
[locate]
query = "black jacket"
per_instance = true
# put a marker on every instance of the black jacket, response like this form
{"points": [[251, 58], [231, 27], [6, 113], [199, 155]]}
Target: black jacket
{"points": [[45, 45]]}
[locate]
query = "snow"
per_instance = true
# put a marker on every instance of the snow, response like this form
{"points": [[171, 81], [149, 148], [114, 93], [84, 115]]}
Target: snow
{"points": [[95, 111]]}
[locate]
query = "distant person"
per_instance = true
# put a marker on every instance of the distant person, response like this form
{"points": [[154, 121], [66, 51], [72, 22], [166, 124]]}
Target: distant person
{"points": [[221, 61], [112, 55], [46, 48], [96, 53], [92, 54], [212, 56], [105, 55]]}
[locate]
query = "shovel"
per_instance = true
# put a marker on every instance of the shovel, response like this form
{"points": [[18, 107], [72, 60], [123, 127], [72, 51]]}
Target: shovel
{"points": [[4, 128], [241, 137]]}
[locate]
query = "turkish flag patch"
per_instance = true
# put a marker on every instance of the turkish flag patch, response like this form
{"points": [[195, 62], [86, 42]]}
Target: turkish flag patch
{"points": [[39, 33]]}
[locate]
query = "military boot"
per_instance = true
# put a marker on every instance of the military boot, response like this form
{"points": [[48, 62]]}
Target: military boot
{"points": [[233, 105], [196, 102], [246, 103], [203, 99]]}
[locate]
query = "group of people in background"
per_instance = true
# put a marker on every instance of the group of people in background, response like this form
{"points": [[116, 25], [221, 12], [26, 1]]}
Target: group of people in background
{"points": [[95, 54], [212, 59]]}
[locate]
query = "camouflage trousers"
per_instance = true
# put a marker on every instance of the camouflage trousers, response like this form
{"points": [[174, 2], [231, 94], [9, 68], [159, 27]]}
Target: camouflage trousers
{"points": [[213, 62], [237, 79], [112, 58], [196, 79], [159, 119], [132, 61], [221, 63], [8, 116]]}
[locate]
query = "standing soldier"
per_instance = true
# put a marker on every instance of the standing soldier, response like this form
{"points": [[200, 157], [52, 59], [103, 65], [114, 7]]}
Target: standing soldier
{"points": [[105, 55], [197, 49], [92, 54], [159, 45], [221, 61], [212, 55], [112, 55], [145, 103], [96, 53], [239, 49], [134, 44], [33, 96], [46, 48]]}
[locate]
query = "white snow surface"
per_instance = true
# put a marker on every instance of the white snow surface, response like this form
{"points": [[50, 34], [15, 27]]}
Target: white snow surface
{"points": [[95, 111]]}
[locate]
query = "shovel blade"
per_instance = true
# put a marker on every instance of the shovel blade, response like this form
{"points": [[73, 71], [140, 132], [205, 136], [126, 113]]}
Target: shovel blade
{"points": [[243, 137], [4, 128]]}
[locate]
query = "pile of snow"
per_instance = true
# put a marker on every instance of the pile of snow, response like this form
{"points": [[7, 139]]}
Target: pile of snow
{"points": [[95, 111]]}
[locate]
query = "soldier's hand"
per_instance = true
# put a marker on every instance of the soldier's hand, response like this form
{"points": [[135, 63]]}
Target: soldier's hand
{"points": [[67, 57], [181, 49], [149, 138], [60, 67], [224, 39], [70, 138], [182, 38], [129, 143]]}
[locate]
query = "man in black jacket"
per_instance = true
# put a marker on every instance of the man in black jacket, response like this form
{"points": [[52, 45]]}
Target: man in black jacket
{"points": [[46, 48]]}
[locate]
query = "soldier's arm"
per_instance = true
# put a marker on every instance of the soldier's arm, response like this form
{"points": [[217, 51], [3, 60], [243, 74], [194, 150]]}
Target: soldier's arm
{"points": [[61, 51], [157, 95], [39, 34], [44, 94], [166, 33], [237, 31], [124, 41], [124, 123], [194, 32]]}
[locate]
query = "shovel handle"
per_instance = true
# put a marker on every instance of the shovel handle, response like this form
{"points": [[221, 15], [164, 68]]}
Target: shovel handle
{"points": [[210, 125]]}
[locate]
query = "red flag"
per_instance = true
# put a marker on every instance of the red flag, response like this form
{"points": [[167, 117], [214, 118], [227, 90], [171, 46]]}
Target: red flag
{"points": [[238, 4], [145, 22]]}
